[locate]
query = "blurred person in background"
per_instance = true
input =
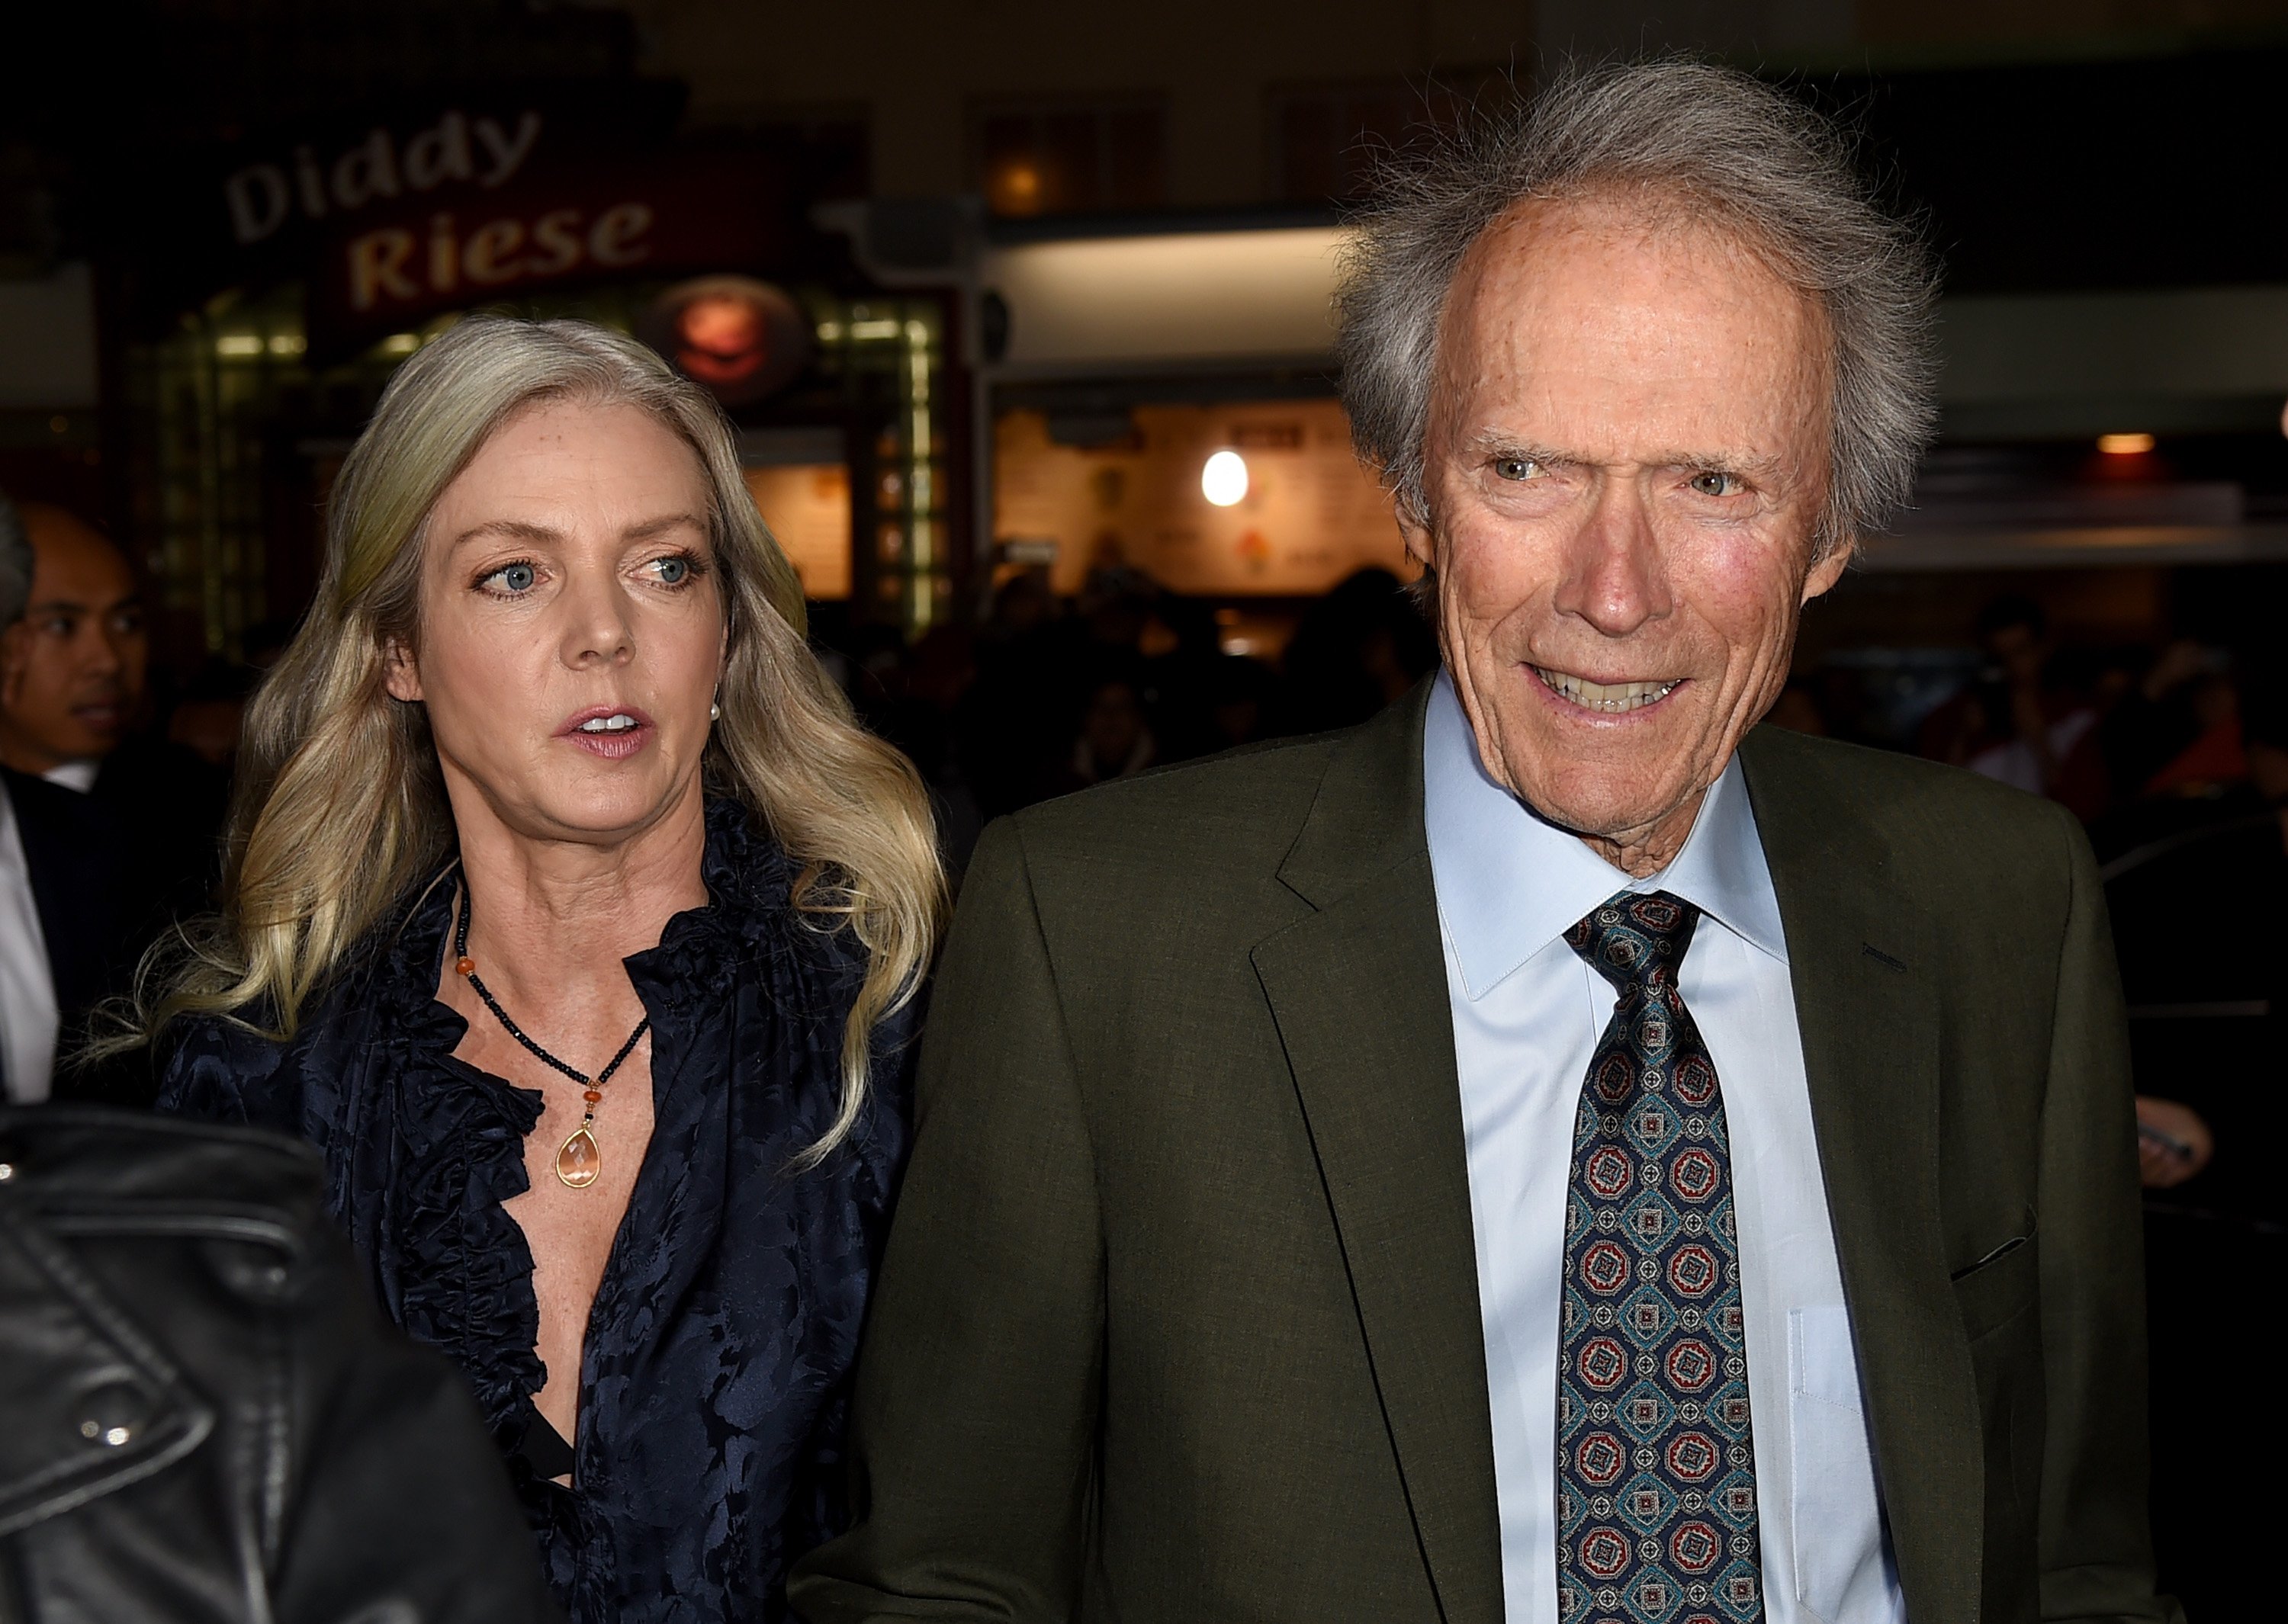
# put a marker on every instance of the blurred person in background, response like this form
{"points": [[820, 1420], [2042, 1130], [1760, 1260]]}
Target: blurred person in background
{"points": [[915, 706], [74, 702], [1357, 650], [68, 906], [2172, 741], [2214, 814], [1116, 738], [72, 671], [1202, 700], [577, 924], [2017, 723], [1013, 725], [2265, 735], [2174, 1143], [1237, 692], [1186, 675], [208, 714], [1022, 605], [1797, 710]]}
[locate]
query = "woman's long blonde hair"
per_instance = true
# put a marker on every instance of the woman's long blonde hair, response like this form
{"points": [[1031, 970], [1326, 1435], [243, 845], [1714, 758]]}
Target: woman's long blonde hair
{"points": [[339, 809]]}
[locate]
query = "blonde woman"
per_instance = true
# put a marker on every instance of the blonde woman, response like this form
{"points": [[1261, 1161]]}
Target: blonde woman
{"points": [[576, 923]]}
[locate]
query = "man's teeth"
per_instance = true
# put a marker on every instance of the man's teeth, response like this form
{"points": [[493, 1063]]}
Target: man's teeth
{"points": [[1606, 696], [608, 724]]}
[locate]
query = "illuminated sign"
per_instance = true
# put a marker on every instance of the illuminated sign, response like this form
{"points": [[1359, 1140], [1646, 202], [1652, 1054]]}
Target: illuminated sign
{"points": [[284, 203], [384, 271], [394, 265], [482, 150]]}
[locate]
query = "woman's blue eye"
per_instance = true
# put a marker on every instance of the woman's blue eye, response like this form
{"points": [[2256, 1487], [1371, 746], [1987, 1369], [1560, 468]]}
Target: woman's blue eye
{"points": [[672, 571], [514, 577]]}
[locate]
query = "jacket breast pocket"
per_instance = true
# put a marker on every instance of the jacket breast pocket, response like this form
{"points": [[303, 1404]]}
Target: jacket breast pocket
{"points": [[2000, 1286], [2000, 1298], [1835, 1516]]}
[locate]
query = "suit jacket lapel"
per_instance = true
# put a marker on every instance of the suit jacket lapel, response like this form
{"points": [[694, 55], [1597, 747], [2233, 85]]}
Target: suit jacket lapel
{"points": [[1862, 961], [1359, 992]]}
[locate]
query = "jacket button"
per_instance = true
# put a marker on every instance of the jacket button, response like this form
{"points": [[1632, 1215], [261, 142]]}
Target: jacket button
{"points": [[113, 1415], [252, 1270]]}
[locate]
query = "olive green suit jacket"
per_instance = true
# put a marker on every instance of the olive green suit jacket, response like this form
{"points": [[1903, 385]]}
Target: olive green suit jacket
{"points": [[1179, 1320]]}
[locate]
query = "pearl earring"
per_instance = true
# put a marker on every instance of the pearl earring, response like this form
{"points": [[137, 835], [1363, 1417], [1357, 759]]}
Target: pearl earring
{"points": [[714, 713]]}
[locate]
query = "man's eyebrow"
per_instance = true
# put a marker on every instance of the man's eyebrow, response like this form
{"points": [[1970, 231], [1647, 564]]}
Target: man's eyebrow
{"points": [[1493, 443], [1488, 444], [1718, 461], [63, 606]]}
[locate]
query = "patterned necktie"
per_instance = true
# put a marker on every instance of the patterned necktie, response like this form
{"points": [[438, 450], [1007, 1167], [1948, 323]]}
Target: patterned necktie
{"points": [[1656, 1465]]}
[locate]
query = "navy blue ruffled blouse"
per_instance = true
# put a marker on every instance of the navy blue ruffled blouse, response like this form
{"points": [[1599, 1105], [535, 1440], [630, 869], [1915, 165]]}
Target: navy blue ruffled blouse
{"points": [[714, 1379]]}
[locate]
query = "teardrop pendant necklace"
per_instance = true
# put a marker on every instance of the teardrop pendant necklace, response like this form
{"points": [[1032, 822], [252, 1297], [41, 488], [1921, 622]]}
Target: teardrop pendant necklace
{"points": [[578, 1160]]}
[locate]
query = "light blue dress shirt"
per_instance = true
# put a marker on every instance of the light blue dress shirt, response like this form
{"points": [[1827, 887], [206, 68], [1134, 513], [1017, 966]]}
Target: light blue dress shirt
{"points": [[1528, 1014]]}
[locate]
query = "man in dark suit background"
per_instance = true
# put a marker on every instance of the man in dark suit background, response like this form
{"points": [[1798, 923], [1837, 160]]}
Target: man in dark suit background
{"points": [[1553, 1153], [80, 888]]}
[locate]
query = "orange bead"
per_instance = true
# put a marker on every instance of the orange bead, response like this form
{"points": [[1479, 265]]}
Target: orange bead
{"points": [[592, 1096], [465, 966]]}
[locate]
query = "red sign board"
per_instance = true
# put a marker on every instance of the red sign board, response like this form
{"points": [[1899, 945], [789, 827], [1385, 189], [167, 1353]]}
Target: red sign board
{"points": [[668, 217]]}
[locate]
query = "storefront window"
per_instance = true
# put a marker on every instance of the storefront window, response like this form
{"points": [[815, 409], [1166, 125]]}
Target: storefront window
{"points": [[237, 440], [900, 513], [234, 439], [1262, 499]]}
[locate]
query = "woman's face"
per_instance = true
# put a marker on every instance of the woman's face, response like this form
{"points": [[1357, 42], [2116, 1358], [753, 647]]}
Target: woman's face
{"points": [[572, 625]]}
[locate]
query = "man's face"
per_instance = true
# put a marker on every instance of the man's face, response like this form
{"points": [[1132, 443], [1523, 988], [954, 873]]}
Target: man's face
{"points": [[71, 675], [1625, 458], [2020, 651]]}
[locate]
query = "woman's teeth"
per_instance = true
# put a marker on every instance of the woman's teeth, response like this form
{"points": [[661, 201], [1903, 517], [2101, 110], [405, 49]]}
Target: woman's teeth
{"points": [[608, 724], [1611, 697]]}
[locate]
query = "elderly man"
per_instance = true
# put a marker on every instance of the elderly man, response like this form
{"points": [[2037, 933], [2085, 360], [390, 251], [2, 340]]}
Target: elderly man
{"points": [[1553, 1153]]}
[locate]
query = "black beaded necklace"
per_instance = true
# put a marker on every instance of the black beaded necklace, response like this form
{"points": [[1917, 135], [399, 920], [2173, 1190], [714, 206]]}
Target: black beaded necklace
{"points": [[578, 1160]]}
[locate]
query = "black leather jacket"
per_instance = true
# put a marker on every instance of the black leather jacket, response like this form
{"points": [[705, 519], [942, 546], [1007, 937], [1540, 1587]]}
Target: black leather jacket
{"points": [[203, 1418]]}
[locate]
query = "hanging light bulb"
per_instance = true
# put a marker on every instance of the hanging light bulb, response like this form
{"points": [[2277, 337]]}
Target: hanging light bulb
{"points": [[1224, 479]]}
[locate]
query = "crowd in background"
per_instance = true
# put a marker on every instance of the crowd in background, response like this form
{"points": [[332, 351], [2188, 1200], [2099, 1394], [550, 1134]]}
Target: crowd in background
{"points": [[1044, 696]]}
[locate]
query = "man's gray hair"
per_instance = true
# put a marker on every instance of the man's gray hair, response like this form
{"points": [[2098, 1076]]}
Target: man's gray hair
{"points": [[15, 563], [1747, 159]]}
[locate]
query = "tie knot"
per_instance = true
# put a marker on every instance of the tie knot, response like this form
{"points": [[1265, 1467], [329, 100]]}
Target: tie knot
{"points": [[1636, 940]]}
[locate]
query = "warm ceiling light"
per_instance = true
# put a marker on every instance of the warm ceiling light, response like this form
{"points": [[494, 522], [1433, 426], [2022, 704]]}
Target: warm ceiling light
{"points": [[1224, 480], [1017, 187], [2124, 445]]}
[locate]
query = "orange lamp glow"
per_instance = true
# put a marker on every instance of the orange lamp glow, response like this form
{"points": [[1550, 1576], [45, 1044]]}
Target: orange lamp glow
{"points": [[1016, 188], [2124, 445]]}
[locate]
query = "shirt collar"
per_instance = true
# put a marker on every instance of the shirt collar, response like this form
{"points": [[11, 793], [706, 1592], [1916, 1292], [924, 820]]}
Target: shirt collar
{"points": [[79, 775], [1509, 884]]}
